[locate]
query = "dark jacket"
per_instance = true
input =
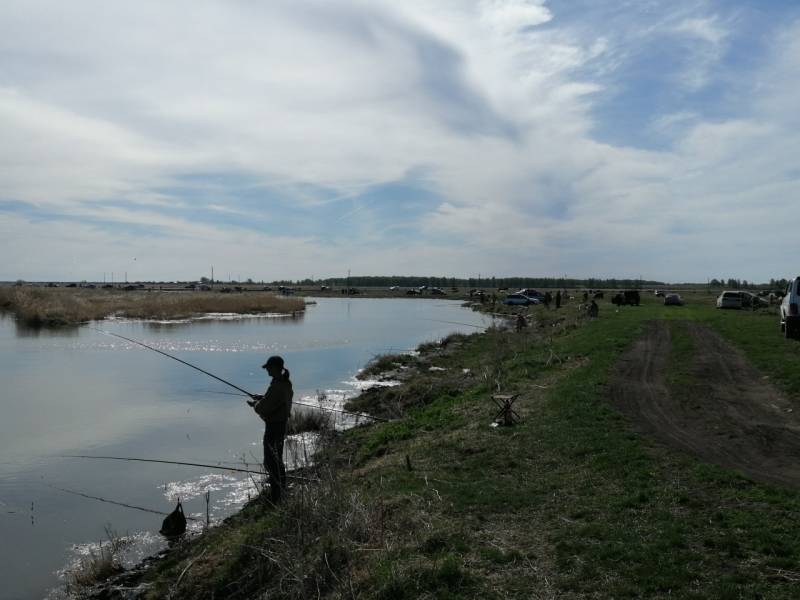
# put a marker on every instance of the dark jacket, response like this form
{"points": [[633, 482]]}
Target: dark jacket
{"points": [[276, 404]]}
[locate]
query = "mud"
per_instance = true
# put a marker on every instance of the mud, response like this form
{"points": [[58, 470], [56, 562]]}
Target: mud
{"points": [[728, 413]]}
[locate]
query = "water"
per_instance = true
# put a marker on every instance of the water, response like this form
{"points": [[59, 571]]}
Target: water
{"points": [[79, 391]]}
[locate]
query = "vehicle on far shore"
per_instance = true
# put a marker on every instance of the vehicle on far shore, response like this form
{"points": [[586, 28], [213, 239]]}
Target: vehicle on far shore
{"points": [[520, 300]]}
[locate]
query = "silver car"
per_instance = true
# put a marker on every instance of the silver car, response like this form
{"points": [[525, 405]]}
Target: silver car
{"points": [[729, 300]]}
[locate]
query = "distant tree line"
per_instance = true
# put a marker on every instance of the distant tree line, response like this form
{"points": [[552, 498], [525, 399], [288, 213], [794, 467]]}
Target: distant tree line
{"points": [[742, 284], [472, 282]]}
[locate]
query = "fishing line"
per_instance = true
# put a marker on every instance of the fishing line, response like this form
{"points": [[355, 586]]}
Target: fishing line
{"points": [[133, 506], [175, 462], [234, 386], [346, 412], [458, 323]]}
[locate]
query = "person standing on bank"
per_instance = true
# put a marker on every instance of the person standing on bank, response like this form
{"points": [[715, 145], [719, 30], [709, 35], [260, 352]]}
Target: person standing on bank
{"points": [[274, 407]]}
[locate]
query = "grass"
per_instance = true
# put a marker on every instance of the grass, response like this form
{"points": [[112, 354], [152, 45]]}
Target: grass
{"points": [[97, 566], [60, 306], [302, 420], [570, 503]]}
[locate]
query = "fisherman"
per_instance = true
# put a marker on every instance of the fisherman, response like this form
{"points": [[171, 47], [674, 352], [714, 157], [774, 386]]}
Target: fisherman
{"points": [[558, 299], [594, 310], [548, 298], [274, 408], [521, 322]]}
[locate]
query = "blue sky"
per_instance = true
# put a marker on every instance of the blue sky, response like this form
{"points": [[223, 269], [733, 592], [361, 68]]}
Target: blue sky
{"points": [[450, 137]]}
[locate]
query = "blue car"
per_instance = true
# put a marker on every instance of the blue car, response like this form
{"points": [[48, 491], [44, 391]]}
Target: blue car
{"points": [[519, 300]]}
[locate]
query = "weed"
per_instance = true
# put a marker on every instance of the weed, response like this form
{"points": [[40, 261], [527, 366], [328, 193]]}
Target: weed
{"points": [[97, 566]]}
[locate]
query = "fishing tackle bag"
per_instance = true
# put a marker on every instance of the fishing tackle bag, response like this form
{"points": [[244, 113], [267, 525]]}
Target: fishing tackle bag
{"points": [[174, 523]]}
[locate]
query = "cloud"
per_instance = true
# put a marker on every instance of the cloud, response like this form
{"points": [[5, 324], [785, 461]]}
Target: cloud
{"points": [[704, 55], [299, 138], [706, 29]]}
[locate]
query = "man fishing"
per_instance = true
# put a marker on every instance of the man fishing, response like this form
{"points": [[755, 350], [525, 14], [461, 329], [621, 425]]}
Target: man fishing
{"points": [[274, 407]]}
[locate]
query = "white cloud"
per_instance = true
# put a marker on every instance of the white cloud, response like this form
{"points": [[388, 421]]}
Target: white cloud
{"points": [[493, 100], [706, 29]]}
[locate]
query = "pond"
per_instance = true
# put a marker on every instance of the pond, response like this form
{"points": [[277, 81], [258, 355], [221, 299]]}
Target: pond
{"points": [[79, 391]]}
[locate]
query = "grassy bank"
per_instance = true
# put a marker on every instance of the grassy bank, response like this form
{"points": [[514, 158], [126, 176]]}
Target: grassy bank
{"points": [[568, 503], [62, 306]]}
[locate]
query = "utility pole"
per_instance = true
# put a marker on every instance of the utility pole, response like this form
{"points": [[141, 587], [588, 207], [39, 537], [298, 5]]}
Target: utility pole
{"points": [[212, 274]]}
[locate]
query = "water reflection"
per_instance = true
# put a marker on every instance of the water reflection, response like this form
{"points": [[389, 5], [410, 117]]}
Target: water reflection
{"points": [[26, 330], [213, 319]]}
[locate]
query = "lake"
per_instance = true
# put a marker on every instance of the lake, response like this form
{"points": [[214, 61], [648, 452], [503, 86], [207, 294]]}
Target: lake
{"points": [[80, 391]]}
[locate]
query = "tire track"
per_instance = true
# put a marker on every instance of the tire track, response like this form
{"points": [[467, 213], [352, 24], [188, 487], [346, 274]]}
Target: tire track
{"points": [[728, 415]]}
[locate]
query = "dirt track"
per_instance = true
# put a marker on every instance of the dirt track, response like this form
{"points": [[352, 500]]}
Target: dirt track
{"points": [[729, 415]]}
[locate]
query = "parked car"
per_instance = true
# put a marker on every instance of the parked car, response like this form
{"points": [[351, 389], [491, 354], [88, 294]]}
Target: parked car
{"points": [[673, 300], [751, 300], [438, 292], [627, 298], [519, 300], [790, 316], [729, 300], [531, 293]]}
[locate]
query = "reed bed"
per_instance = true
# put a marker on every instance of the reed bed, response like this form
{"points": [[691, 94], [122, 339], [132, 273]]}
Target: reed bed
{"points": [[302, 421], [97, 566], [58, 306]]}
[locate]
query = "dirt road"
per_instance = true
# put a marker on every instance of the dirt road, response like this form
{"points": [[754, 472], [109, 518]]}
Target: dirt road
{"points": [[728, 414]]}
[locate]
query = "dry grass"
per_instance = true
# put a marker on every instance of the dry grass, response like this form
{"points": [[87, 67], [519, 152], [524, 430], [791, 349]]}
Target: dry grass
{"points": [[97, 567], [304, 420], [58, 306]]}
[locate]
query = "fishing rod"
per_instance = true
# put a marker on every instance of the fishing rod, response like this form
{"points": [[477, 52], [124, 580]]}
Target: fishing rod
{"points": [[234, 386], [175, 462], [133, 506], [122, 337], [346, 412], [457, 323]]}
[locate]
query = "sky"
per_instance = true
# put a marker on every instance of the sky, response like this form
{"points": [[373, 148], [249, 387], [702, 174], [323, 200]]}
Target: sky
{"points": [[293, 139]]}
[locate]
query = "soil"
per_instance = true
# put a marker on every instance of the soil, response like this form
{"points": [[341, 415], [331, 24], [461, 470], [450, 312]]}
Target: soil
{"points": [[729, 414]]}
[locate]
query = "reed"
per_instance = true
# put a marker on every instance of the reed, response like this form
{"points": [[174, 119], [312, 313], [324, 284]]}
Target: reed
{"points": [[59, 306], [97, 566], [301, 421]]}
